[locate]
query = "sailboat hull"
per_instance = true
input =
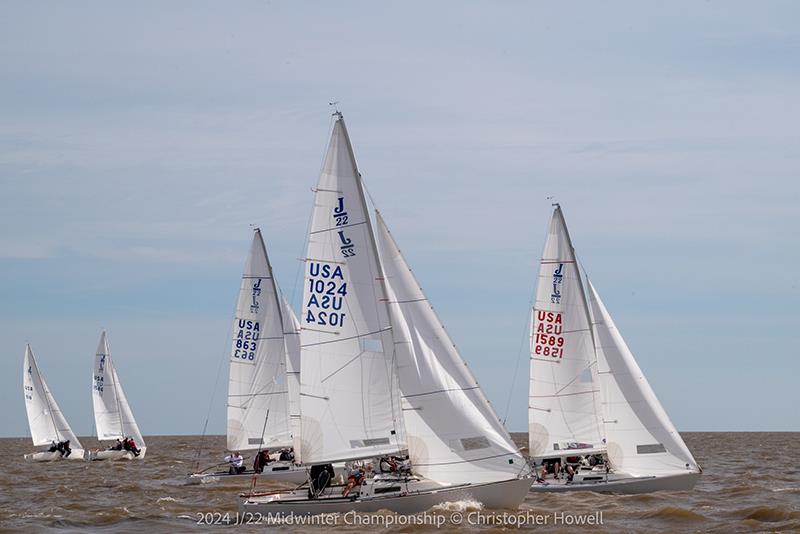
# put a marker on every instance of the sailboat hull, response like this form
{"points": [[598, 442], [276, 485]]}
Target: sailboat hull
{"points": [[507, 494], [282, 472], [626, 486], [77, 454], [116, 455]]}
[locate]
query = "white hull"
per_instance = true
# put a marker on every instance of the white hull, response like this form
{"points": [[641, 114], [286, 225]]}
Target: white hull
{"points": [[116, 455], [679, 482], [77, 454], [420, 496], [280, 472]]}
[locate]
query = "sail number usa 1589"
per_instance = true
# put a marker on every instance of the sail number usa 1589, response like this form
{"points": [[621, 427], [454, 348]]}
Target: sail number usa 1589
{"points": [[547, 339]]}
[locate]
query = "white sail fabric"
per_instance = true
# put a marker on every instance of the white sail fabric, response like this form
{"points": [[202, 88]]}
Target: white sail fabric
{"points": [[112, 414], [257, 390], [45, 419], [291, 335], [349, 406], [453, 434], [641, 438], [564, 400]]}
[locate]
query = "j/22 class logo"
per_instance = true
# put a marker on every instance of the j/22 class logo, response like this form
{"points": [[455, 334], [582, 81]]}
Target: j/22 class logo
{"points": [[558, 277], [256, 293], [340, 218]]}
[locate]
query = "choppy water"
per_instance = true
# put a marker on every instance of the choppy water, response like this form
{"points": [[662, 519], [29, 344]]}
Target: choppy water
{"points": [[751, 483]]}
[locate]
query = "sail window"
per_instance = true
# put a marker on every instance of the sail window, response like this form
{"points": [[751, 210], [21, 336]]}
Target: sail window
{"points": [[650, 448], [470, 444], [371, 345], [255, 441], [369, 442]]}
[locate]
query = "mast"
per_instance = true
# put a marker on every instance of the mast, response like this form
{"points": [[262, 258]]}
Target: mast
{"points": [[113, 374], [382, 277], [349, 395], [585, 301]]}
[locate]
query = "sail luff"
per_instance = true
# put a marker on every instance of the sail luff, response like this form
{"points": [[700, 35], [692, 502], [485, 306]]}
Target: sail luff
{"points": [[453, 433], [641, 437], [291, 336]]}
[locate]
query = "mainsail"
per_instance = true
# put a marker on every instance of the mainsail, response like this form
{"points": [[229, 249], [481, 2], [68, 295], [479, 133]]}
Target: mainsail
{"points": [[257, 388], [641, 438], [452, 431], [348, 395], [46, 421], [564, 400], [112, 413]]}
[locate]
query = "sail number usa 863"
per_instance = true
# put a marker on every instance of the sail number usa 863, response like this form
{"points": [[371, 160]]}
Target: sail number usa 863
{"points": [[244, 344]]}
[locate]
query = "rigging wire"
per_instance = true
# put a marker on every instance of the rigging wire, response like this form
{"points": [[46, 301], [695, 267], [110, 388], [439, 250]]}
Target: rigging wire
{"points": [[525, 335], [211, 402]]}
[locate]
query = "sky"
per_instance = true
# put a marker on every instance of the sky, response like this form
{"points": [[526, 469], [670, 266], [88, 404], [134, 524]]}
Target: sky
{"points": [[140, 142]]}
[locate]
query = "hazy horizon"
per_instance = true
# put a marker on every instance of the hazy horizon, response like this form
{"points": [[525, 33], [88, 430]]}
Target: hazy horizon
{"points": [[138, 145]]}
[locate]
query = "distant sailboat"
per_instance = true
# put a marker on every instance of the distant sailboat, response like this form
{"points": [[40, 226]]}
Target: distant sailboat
{"points": [[112, 413], [379, 375], [588, 397], [263, 386], [47, 423]]}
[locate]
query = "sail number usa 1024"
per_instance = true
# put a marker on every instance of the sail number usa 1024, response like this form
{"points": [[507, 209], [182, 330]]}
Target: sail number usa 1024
{"points": [[547, 334], [326, 291]]}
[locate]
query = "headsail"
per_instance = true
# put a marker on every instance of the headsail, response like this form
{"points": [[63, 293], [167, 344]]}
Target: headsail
{"points": [[112, 413], [257, 389], [291, 337], [641, 437], [45, 419], [564, 400], [452, 431], [349, 402]]}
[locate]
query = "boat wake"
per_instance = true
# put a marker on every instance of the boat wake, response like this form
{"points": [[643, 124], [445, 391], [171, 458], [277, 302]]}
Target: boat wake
{"points": [[458, 506]]}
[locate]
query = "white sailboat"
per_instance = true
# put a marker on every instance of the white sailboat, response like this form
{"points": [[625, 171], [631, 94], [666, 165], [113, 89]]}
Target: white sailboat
{"points": [[263, 386], [112, 414], [47, 422], [368, 351], [588, 397]]}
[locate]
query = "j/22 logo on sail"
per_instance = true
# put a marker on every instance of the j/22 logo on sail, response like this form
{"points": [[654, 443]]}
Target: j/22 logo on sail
{"points": [[256, 293], [340, 217], [558, 277]]}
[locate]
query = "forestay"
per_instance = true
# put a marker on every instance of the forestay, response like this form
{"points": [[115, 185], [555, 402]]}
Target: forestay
{"points": [[348, 397], [563, 409], [453, 434], [257, 389], [641, 438], [112, 413], [46, 421]]}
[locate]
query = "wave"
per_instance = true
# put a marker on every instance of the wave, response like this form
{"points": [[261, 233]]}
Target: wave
{"points": [[769, 514], [674, 513]]}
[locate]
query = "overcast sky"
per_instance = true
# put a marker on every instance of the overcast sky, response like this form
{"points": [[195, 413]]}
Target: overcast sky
{"points": [[138, 142]]}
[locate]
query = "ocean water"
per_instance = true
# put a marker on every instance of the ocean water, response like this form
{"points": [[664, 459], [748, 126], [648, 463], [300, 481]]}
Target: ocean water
{"points": [[751, 483]]}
